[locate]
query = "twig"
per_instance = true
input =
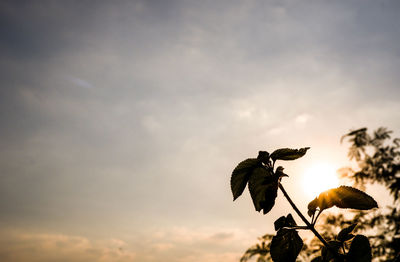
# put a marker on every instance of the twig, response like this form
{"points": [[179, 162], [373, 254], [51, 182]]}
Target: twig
{"points": [[311, 227], [297, 227], [315, 220]]}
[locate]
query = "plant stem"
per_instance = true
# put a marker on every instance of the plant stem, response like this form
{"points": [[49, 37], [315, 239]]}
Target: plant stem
{"points": [[311, 227], [344, 250], [297, 227], [315, 220]]}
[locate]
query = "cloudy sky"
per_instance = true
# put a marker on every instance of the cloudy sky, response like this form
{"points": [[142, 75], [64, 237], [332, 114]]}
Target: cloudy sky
{"points": [[121, 121]]}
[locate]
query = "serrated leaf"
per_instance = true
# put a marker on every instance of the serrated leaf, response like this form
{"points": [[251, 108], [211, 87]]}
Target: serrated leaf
{"points": [[263, 187], [290, 221], [288, 153], [360, 250], [279, 223], [283, 221], [263, 156], [286, 245], [327, 199], [344, 234], [241, 174], [344, 197], [279, 172], [312, 206], [350, 197]]}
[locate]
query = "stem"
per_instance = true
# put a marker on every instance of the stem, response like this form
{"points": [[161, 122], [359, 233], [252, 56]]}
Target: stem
{"points": [[297, 227], [312, 219], [311, 227], [315, 220], [344, 250]]}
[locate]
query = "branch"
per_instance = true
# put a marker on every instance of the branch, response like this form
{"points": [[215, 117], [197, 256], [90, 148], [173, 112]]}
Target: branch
{"points": [[311, 227], [316, 217]]}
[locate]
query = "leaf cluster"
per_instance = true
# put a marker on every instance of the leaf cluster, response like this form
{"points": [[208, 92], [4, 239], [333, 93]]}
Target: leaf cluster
{"points": [[258, 173], [263, 181], [359, 248], [286, 244]]}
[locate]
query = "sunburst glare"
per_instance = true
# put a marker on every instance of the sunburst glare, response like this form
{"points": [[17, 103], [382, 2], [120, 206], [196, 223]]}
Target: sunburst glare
{"points": [[318, 178]]}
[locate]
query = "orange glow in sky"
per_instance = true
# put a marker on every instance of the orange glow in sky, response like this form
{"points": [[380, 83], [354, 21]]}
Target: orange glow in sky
{"points": [[318, 178]]}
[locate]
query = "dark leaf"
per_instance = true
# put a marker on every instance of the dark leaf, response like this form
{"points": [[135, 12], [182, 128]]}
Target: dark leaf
{"points": [[279, 223], [360, 250], [241, 174], [290, 221], [312, 207], [357, 131], [349, 236], [361, 130], [344, 197], [279, 172], [345, 233], [286, 245], [283, 221], [263, 187], [263, 156], [327, 254], [288, 153], [350, 197]]}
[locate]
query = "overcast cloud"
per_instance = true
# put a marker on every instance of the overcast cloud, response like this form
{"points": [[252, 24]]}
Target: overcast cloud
{"points": [[122, 121]]}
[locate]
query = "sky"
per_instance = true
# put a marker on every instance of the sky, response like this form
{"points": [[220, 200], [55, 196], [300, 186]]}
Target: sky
{"points": [[121, 121]]}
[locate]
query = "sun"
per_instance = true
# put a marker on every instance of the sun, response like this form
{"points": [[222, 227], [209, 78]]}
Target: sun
{"points": [[318, 178]]}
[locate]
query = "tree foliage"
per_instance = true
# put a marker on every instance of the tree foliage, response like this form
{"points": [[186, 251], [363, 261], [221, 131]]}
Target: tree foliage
{"points": [[377, 156]]}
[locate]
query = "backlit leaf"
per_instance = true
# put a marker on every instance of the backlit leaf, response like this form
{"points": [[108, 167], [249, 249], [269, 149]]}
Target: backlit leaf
{"points": [[263, 187], [286, 245], [312, 207], [342, 197], [241, 174], [288, 153], [350, 197]]}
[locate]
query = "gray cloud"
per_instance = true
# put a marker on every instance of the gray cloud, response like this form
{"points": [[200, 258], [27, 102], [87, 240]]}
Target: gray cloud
{"points": [[181, 90]]}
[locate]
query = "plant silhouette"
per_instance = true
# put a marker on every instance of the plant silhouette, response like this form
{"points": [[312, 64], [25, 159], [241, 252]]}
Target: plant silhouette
{"points": [[263, 181]]}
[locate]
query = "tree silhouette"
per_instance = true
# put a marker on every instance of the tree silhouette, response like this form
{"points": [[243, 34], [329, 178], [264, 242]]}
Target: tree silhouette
{"points": [[377, 156]]}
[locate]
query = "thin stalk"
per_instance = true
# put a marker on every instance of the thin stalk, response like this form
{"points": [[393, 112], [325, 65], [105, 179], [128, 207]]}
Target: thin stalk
{"points": [[297, 227], [311, 227], [312, 219], [315, 220], [344, 250]]}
